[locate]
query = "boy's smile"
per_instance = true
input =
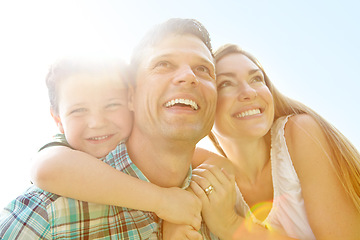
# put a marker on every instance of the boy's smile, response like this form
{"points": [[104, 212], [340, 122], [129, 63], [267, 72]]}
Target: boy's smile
{"points": [[93, 112]]}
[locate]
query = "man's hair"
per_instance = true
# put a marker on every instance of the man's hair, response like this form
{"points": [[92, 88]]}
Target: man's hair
{"points": [[173, 26], [69, 66]]}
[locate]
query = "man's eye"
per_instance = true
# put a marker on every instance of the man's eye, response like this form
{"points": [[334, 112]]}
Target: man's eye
{"points": [[163, 64], [203, 69]]}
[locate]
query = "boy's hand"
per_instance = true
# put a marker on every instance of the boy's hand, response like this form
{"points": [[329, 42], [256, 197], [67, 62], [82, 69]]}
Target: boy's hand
{"points": [[180, 206], [179, 232]]}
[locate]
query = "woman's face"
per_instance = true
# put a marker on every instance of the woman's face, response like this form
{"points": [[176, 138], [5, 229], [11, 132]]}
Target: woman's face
{"points": [[245, 106]]}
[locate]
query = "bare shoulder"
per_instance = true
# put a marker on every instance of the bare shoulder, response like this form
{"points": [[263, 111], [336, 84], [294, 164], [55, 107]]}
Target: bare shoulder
{"points": [[303, 130], [302, 124], [326, 201], [306, 142]]}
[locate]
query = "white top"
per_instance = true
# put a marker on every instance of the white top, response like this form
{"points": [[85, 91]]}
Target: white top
{"points": [[288, 211]]}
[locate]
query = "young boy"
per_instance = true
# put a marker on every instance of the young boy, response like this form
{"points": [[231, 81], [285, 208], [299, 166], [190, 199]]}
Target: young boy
{"points": [[89, 105]]}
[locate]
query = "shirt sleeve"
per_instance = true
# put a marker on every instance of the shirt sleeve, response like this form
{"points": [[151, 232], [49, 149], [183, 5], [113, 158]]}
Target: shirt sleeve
{"points": [[26, 217], [58, 140]]}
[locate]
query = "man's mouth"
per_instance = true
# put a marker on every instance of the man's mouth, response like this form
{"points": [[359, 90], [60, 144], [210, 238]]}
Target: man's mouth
{"points": [[182, 102]]}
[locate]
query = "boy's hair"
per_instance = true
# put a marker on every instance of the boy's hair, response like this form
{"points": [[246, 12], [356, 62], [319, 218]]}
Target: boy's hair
{"points": [[69, 66], [173, 26]]}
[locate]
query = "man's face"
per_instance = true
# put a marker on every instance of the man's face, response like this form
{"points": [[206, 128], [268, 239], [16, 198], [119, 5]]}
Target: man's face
{"points": [[175, 93]]}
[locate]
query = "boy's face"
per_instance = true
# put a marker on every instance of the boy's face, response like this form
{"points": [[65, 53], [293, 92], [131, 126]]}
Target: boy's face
{"points": [[93, 112]]}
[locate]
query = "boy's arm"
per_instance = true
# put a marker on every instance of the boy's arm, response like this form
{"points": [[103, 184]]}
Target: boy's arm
{"points": [[78, 175]]}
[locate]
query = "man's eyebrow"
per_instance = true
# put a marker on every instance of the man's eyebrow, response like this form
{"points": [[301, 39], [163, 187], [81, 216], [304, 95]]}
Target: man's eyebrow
{"points": [[171, 55], [206, 61], [159, 57]]}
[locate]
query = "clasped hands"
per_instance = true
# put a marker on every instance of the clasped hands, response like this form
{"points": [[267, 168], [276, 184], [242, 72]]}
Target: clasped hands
{"points": [[214, 188]]}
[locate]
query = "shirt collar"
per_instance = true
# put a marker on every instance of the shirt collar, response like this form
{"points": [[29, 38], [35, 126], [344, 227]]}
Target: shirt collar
{"points": [[187, 180]]}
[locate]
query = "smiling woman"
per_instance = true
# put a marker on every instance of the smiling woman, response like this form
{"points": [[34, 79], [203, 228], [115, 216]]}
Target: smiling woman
{"points": [[284, 154]]}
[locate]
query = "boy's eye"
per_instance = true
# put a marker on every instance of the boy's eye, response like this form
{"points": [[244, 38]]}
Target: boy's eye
{"points": [[113, 105], [78, 110]]}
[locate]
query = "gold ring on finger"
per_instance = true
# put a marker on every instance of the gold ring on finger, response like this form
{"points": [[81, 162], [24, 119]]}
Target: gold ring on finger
{"points": [[209, 190]]}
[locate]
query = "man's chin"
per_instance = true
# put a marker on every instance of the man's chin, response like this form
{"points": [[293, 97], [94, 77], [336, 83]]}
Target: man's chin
{"points": [[190, 135]]}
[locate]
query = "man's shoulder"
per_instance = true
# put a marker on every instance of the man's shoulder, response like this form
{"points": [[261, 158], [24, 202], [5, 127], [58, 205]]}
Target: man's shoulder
{"points": [[118, 158], [33, 198], [26, 216]]}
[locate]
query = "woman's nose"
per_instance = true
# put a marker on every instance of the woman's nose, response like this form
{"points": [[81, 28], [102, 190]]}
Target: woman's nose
{"points": [[246, 93]]}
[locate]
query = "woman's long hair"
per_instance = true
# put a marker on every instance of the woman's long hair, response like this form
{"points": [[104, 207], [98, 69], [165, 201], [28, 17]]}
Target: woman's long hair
{"points": [[346, 160]]}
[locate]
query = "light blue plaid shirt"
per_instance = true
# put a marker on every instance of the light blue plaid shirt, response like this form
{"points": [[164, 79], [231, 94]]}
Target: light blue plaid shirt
{"points": [[38, 214]]}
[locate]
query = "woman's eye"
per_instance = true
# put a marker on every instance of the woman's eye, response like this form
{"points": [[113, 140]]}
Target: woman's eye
{"points": [[257, 79], [224, 84]]}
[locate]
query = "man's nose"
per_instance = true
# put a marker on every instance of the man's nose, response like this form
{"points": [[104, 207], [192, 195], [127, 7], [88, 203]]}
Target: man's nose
{"points": [[186, 76]]}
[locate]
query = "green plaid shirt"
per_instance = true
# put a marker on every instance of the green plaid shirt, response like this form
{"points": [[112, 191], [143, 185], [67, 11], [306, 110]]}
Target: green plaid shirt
{"points": [[38, 214]]}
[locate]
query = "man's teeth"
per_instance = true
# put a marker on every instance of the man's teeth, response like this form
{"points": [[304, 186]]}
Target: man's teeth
{"points": [[98, 138], [188, 102], [248, 113]]}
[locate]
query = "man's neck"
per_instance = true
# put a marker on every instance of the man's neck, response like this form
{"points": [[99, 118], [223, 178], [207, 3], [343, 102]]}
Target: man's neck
{"points": [[165, 163]]}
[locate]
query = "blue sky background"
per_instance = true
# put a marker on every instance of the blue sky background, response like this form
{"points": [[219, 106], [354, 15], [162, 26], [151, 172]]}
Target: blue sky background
{"points": [[310, 50]]}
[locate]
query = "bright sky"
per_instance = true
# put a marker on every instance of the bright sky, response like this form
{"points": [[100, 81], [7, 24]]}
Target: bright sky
{"points": [[310, 50]]}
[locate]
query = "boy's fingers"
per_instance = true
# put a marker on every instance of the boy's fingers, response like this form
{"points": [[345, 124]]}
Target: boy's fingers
{"points": [[193, 235], [196, 223]]}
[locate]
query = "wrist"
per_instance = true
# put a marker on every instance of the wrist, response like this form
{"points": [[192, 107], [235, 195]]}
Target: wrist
{"points": [[159, 200], [230, 229]]}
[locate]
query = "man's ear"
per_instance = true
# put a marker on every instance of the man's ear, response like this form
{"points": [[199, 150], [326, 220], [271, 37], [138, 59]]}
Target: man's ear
{"points": [[131, 93], [57, 120]]}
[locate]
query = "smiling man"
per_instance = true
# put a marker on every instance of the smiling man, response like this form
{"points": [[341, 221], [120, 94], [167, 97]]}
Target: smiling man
{"points": [[174, 101]]}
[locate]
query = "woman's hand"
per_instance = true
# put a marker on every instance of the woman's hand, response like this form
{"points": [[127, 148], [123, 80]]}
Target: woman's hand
{"points": [[218, 204], [179, 232]]}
